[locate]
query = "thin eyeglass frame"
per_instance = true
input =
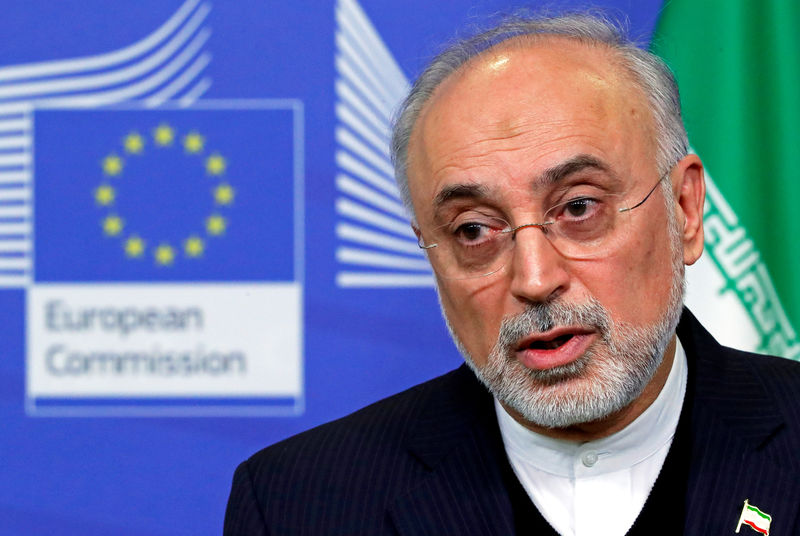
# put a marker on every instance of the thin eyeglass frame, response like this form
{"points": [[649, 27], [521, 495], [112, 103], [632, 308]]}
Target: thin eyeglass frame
{"points": [[543, 225]]}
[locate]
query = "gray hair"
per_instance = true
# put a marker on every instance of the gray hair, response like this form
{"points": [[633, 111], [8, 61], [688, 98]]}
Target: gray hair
{"points": [[647, 71]]}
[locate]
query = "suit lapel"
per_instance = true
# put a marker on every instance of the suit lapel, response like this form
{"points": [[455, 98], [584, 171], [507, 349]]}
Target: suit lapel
{"points": [[461, 487], [735, 443], [736, 427]]}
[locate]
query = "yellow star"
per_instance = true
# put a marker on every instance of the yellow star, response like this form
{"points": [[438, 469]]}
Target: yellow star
{"points": [[104, 195], [216, 224], [194, 246], [134, 247], [163, 135], [165, 255], [193, 142], [134, 143], [112, 165], [223, 194], [112, 225], [216, 164]]}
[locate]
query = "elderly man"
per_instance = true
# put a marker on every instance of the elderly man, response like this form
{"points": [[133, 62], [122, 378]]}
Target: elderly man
{"points": [[545, 163]]}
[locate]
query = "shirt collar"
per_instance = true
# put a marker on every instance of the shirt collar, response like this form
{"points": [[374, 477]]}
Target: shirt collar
{"points": [[622, 450]]}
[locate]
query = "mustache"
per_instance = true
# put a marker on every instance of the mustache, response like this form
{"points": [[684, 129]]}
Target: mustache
{"points": [[543, 317]]}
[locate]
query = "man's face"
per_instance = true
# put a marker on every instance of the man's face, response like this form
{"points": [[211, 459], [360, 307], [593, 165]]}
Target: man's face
{"points": [[517, 131]]}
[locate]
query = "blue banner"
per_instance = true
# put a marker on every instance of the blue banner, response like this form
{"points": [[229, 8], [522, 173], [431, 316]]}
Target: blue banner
{"points": [[202, 250], [146, 195]]}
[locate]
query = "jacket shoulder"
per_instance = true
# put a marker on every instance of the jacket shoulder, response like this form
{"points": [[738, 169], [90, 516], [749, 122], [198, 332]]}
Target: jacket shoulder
{"points": [[730, 374], [339, 477], [383, 423], [780, 377]]}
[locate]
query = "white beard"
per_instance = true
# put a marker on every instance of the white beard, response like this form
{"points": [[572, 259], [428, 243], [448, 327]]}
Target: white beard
{"points": [[609, 376]]}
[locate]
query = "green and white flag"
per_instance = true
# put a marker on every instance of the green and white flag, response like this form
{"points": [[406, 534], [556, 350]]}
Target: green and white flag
{"points": [[754, 518], [738, 68]]}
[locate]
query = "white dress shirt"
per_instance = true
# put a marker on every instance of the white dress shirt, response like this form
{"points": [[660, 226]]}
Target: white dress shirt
{"points": [[598, 487]]}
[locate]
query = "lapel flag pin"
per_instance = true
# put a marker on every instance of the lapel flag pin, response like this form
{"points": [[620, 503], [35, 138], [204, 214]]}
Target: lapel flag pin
{"points": [[754, 518]]}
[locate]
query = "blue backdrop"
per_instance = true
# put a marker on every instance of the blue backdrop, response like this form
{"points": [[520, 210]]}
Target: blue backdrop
{"points": [[166, 153]]}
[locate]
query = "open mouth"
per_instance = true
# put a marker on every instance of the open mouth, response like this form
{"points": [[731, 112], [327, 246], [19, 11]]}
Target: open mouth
{"points": [[554, 348], [551, 344]]}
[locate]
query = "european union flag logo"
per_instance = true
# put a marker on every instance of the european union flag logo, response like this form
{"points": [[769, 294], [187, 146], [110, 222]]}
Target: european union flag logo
{"points": [[194, 194]]}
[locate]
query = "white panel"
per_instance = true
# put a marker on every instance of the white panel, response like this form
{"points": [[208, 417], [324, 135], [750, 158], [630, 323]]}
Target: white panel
{"points": [[162, 340]]}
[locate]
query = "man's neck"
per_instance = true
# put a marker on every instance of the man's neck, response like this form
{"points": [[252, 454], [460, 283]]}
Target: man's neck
{"points": [[616, 421]]}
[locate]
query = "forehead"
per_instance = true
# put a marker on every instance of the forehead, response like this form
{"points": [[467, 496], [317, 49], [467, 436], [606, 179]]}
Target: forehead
{"points": [[525, 106]]}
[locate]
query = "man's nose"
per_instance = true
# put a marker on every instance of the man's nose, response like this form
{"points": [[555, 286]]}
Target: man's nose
{"points": [[538, 271]]}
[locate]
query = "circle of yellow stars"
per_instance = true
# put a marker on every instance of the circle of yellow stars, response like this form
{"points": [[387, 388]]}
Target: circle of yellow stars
{"points": [[135, 144]]}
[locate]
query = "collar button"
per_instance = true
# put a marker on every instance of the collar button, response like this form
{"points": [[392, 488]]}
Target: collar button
{"points": [[589, 458]]}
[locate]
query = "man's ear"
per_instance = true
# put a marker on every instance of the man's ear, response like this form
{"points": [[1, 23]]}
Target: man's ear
{"points": [[416, 230], [689, 188]]}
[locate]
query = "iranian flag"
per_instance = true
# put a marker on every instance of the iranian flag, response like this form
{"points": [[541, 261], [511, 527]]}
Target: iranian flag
{"points": [[738, 69], [754, 518]]}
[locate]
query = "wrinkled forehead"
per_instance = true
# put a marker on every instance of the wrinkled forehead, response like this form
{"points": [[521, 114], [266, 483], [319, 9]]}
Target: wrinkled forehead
{"points": [[536, 92]]}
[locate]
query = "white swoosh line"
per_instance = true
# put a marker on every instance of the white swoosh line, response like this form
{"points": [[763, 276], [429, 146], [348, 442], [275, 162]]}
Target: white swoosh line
{"points": [[14, 160], [15, 263], [352, 187], [170, 65], [351, 142], [359, 212], [382, 280], [357, 26], [63, 85], [195, 92], [349, 73], [181, 82], [15, 246], [350, 101], [12, 281], [10, 125], [350, 56], [348, 162], [373, 231], [362, 235], [15, 211], [14, 110], [15, 141], [13, 229], [383, 260], [14, 176], [102, 61], [15, 194], [138, 89], [347, 116]]}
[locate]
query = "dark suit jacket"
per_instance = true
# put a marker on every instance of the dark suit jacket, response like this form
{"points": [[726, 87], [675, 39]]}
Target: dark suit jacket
{"points": [[430, 460]]}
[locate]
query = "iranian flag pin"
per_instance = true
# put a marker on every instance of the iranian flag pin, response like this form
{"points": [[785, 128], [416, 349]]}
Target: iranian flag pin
{"points": [[754, 518]]}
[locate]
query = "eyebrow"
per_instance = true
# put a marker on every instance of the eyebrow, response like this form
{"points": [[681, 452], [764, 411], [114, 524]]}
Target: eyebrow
{"points": [[569, 167], [548, 177], [459, 191]]}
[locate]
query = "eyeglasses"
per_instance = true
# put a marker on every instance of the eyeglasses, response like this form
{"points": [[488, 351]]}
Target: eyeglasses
{"points": [[475, 244]]}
